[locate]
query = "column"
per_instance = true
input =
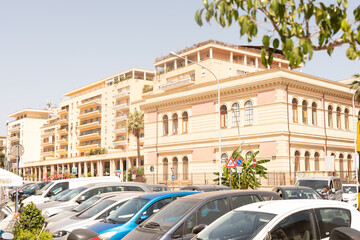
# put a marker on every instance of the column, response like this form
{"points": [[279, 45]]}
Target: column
{"points": [[92, 169], [101, 169], [175, 64], [198, 56], [62, 168], [133, 73], [256, 62], [52, 170], [35, 174], [211, 53], [112, 167], [164, 67], [85, 169], [231, 57], [68, 168], [186, 61], [245, 60], [44, 172], [144, 75], [279, 64], [79, 169]]}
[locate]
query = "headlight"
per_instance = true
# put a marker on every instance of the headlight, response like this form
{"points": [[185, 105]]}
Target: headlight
{"points": [[354, 198], [60, 234], [46, 214], [107, 235]]}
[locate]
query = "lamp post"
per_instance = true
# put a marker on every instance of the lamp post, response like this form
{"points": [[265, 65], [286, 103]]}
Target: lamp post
{"points": [[218, 90], [355, 153], [127, 139]]}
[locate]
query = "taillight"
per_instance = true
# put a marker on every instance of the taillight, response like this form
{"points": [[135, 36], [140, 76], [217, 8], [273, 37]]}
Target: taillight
{"points": [[96, 238]]}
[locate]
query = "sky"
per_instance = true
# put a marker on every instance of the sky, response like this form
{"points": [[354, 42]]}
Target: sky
{"points": [[50, 47]]}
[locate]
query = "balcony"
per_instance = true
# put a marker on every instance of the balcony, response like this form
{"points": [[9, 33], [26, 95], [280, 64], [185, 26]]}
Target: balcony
{"points": [[47, 134], [119, 130], [62, 151], [14, 129], [121, 94], [120, 118], [63, 121], [88, 147], [47, 144], [63, 131], [90, 136], [180, 82], [63, 111], [121, 106], [119, 142], [89, 125], [14, 138], [48, 154], [92, 114], [63, 141], [88, 104]]}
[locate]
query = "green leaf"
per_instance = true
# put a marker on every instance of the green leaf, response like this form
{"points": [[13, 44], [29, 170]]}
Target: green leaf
{"points": [[198, 15], [276, 43], [266, 41], [263, 57]]}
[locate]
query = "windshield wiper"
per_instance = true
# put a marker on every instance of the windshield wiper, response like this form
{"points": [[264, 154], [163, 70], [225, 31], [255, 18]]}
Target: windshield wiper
{"points": [[111, 220], [152, 225]]}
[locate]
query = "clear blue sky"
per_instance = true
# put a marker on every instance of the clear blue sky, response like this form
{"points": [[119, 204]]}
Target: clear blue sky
{"points": [[49, 47]]}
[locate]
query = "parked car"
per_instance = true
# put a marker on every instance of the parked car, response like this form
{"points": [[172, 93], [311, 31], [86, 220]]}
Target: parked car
{"points": [[287, 219], [80, 194], [293, 192], [57, 186], [350, 194], [25, 193], [205, 188], [133, 212], [317, 183], [90, 216], [82, 207], [159, 187], [12, 191], [179, 219]]}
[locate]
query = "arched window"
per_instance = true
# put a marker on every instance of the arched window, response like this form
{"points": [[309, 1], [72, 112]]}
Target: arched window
{"points": [[185, 119], [295, 110], [347, 119], [249, 113], [165, 169], [349, 166], [338, 117], [297, 161], [330, 120], [235, 114], [224, 158], [175, 124], [341, 163], [175, 167], [166, 125], [248, 155], [223, 116], [317, 163], [307, 161], [313, 113], [304, 112], [185, 162]]}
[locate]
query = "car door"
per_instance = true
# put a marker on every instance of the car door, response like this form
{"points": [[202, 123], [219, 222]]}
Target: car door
{"points": [[299, 225], [330, 218]]}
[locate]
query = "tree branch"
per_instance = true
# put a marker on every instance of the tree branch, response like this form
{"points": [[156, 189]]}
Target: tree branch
{"points": [[336, 43]]}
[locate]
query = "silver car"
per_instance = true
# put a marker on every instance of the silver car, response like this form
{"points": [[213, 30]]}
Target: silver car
{"points": [[90, 216]]}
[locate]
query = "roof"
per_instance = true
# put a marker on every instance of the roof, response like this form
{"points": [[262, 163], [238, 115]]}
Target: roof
{"points": [[280, 207], [166, 193], [293, 187], [28, 110], [124, 195], [216, 194], [200, 187], [319, 178]]}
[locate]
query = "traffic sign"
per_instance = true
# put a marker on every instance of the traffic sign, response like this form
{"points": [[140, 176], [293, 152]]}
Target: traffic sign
{"points": [[230, 163], [239, 169], [133, 177], [254, 162], [172, 176], [118, 173], [74, 170], [239, 161], [134, 172], [17, 150]]}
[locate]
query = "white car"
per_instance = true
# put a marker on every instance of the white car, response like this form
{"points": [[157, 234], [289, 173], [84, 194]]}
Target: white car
{"points": [[285, 219], [349, 194]]}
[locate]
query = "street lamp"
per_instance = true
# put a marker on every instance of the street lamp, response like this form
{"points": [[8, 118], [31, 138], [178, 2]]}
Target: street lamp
{"points": [[219, 125], [355, 153], [127, 138]]}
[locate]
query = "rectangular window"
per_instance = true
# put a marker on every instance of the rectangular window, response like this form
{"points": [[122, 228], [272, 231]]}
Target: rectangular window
{"points": [[330, 218]]}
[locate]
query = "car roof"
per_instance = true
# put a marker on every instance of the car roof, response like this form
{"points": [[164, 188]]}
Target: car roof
{"points": [[293, 187], [284, 206], [199, 187], [125, 195], [349, 184], [100, 184], [166, 193], [319, 178], [216, 194]]}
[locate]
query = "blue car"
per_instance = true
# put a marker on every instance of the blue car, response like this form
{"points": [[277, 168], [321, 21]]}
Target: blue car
{"points": [[133, 212]]}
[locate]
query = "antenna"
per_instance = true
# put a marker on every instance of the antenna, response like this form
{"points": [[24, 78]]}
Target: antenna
{"points": [[49, 103]]}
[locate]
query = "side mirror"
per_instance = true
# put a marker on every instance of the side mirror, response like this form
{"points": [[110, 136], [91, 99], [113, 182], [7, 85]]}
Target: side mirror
{"points": [[344, 233], [80, 199], [49, 194], [143, 218], [333, 190], [198, 228]]}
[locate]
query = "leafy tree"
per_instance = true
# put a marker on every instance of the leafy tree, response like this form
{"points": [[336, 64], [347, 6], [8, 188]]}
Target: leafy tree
{"points": [[355, 85], [135, 126], [300, 26], [230, 177], [2, 160], [30, 224]]}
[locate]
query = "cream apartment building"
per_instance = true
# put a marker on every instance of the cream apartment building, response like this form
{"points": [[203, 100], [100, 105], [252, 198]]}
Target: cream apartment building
{"points": [[25, 130], [2, 144], [293, 119], [89, 131]]}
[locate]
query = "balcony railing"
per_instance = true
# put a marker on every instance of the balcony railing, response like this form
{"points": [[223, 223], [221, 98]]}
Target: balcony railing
{"points": [[94, 135], [120, 118], [119, 142], [89, 125], [121, 106], [63, 120], [89, 114], [93, 102], [119, 130], [121, 94], [182, 81], [14, 129]]}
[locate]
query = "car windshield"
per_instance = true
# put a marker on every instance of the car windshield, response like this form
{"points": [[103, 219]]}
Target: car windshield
{"points": [[47, 186], [170, 214], [349, 189], [317, 185], [27, 187], [60, 195], [300, 194], [125, 212], [240, 225], [101, 206], [86, 204], [71, 194]]}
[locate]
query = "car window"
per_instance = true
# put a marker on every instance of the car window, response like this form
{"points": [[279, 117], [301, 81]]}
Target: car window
{"points": [[110, 211], [155, 207], [242, 200], [213, 210], [330, 218], [133, 188], [86, 204], [267, 197], [97, 208], [59, 187], [190, 224], [295, 226], [93, 192], [115, 189]]}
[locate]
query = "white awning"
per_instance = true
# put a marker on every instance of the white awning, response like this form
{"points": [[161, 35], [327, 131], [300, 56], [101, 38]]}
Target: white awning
{"points": [[9, 179]]}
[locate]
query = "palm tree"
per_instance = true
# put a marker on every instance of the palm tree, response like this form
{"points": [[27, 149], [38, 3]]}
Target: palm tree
{"points": [[135, 126], [355, 84]]}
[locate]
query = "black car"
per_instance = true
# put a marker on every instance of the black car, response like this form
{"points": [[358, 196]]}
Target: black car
{"points": [[30, 190], [205, 188], [296, 192], [187, 216]]}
